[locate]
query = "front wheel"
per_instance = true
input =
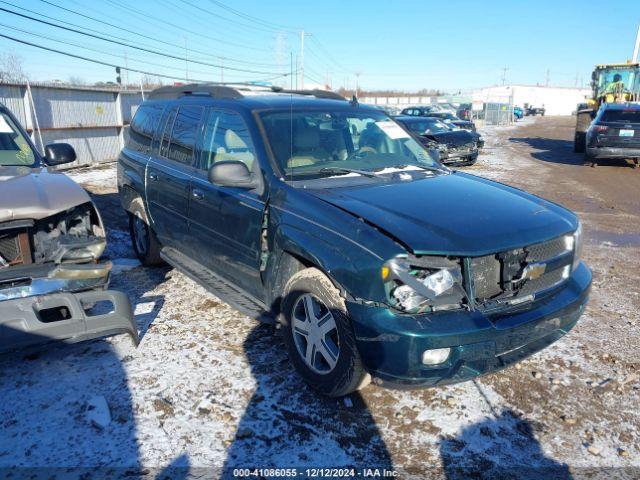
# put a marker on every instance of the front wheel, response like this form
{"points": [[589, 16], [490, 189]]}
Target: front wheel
{"points": [[144, 241], [318, 335]]}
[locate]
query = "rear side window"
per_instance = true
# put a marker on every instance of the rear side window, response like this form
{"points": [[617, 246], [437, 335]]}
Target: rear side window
{"points": [[180, 146], [142, 128], [621, 116], [226, 138]]}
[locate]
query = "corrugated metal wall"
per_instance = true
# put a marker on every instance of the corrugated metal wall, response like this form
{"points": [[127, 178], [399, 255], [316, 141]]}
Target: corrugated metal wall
{"points": [[129, 102], [91, 120], [13, 98]]}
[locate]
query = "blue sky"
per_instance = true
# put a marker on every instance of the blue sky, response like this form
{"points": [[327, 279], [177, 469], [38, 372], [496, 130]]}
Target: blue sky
{"points": [[404, 45]]}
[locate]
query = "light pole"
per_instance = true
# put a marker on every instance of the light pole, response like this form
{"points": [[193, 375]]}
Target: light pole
{"points": [[636, 47]]}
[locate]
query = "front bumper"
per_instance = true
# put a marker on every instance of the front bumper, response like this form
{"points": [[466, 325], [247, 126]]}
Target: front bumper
{"points": [[391, 344], [460, 158], [613, 152], [61, 302], [65, 317]]}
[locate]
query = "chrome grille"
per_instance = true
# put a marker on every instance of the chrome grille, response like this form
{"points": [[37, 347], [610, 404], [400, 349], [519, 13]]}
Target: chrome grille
{"points": [[9, 249], [546, 250], [500, 277], [548, 280]]}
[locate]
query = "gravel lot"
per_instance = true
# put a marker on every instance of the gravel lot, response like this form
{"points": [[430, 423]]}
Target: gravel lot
{"points": [[210, 388]]}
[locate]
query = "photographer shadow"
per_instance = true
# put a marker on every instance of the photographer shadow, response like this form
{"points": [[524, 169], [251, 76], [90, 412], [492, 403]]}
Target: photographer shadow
{"points": [[500, 447], [286, 424]]}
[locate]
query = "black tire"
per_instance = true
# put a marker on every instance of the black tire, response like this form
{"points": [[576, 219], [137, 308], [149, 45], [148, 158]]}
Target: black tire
{"points": [[588, 160], [147, 248], [348, 374]]}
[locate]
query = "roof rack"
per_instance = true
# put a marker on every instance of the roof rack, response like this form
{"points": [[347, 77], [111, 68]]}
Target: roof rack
{"points": [[231, 91], [212, 90], [315, 93]]}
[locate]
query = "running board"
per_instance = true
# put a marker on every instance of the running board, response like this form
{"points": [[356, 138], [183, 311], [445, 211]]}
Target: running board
{"points": [[217, 285]]}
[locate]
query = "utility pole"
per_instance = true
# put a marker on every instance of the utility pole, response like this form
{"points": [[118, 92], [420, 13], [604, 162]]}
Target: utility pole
{"points": [[358, 83], [126, 70], [504, 75], [546, 83], [302, 59], [186, 59], [636, 47]]}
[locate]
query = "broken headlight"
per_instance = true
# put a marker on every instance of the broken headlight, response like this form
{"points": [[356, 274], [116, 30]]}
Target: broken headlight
{"points": [[424, 284]]}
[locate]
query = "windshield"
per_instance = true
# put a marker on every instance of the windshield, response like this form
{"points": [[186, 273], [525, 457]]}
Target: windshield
{"points": [[427, 127], [618, 80], [14, 148], [315, 143]]}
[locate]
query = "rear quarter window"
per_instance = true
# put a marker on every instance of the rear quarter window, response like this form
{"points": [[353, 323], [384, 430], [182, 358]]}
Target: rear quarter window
{"points": [[184, 134], [142, 128]]}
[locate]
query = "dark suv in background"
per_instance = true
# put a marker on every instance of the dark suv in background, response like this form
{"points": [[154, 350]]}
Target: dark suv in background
{"points": [[614, 133], [376, 260]]}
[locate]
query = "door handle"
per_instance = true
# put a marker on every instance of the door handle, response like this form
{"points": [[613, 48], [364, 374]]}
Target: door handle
{"points": [[197, 194], [153, 176]]}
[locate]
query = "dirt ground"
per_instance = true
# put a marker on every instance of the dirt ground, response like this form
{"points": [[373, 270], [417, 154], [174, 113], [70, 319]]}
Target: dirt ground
{"points": [[209, 388]]}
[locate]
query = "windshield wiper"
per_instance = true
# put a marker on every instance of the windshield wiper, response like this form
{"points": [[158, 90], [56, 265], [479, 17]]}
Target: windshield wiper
{"points": [[335, 170], [442, 169]]}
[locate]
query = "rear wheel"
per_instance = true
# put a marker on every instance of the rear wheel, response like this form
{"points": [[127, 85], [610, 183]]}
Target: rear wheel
{"points": [[144, 241], [319, 337]]}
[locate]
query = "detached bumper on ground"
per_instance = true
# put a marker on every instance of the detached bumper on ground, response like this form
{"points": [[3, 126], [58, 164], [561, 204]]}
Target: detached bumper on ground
{"points": [[391, 345], [65, 317], [61, 303]]}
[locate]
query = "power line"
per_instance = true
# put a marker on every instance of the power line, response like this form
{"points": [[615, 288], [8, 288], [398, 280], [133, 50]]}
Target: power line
{"points": [[254, 19], [72, 44], [143, 35], [271, 30], [327, 54], [107, 64], [75, 24], [135, 47]]}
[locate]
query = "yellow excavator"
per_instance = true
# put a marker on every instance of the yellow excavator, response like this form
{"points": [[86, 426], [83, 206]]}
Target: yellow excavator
{"points": [[613, 83]]}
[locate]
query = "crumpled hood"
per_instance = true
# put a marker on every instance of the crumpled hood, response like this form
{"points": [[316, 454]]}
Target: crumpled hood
{"points": [[457, 214], [34, 193], [454, 138]]}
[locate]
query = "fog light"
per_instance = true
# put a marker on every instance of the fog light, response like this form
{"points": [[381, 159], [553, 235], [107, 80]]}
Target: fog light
{"points": [[435, 356]]}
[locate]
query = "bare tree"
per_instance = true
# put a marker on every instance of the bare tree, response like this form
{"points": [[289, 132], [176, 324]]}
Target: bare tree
{"points": [[76, 81], [149, 83], [11, 68]]}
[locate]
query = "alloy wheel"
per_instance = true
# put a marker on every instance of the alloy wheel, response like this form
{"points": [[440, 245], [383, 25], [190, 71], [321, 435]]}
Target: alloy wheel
{"points": [[315, 334], [141, 235]]}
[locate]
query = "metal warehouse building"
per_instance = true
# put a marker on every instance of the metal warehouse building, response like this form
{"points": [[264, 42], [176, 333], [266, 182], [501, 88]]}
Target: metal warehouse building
{"points": [[92, 120], [556, 100]]}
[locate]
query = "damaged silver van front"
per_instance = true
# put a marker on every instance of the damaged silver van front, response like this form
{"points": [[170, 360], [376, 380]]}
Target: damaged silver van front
{"points": [[53, 286]]}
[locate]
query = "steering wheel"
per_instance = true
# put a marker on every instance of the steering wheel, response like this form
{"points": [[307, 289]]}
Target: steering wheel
{"points": [[367, 150]]}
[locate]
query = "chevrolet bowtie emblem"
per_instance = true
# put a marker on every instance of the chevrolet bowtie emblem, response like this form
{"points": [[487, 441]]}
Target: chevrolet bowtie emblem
{"points": [[532, 272]]}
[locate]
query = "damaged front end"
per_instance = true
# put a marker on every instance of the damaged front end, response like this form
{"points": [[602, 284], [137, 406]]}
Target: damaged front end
{"points": [[52, 285], [422, 284]]}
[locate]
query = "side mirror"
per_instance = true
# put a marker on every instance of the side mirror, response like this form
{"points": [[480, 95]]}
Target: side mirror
{"points": [[231, 173], [592, 114], [59, 154]]}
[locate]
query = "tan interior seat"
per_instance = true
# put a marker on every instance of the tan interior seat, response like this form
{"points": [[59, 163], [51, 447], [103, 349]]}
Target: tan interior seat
{"points": [[235, 149], [307, 150]]}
